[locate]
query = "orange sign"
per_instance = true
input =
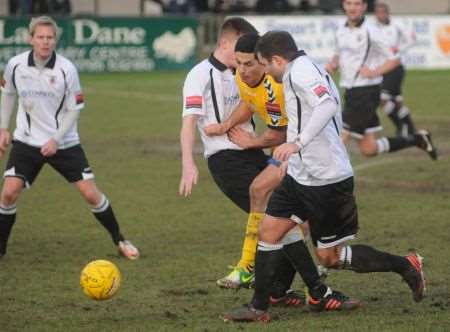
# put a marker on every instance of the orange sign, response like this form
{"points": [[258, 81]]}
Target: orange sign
{"points": [[443, 38]]}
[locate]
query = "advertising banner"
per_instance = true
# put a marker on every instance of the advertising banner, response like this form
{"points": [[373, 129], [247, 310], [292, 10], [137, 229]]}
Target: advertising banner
{"points": [[315, 34], [112, 44]]}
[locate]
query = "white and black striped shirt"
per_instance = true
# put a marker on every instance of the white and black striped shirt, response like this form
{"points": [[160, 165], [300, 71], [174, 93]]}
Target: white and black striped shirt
{"points": [[44, 96], [324, 160], [360, 45], [210, 91]]}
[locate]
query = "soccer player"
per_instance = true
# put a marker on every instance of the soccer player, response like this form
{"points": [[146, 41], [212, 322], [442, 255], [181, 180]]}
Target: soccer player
{"points": [[260, 94], [318, 186], [210, 96], [399, 40], [49, 102], [363, 57]]}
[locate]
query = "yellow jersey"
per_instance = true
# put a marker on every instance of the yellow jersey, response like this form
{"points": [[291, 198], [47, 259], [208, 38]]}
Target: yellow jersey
{"points": [[266, 99]]}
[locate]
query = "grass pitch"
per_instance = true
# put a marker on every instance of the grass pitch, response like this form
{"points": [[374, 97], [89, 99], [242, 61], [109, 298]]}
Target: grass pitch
{"points": [[130, 133]]}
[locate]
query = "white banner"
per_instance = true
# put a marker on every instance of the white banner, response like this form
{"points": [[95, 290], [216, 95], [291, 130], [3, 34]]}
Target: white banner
{"points": [[315, 35]]}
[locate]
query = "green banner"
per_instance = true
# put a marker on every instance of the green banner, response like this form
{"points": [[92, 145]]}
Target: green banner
{"points": [[112, 44]]}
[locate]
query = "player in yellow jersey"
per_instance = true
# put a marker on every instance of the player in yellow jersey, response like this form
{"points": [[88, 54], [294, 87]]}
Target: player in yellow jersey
{"points": [[261, 94]]}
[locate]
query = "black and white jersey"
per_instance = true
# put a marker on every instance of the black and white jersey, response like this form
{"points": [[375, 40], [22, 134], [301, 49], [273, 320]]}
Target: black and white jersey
{"points": [[44, 96], [357, 46], [324, 160], [210, 91], [396, 36]]}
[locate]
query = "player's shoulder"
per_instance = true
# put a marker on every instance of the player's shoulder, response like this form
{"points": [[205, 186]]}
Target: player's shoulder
{"points": [[65, 64], [200, 71], [304, 69], [21, 58]]}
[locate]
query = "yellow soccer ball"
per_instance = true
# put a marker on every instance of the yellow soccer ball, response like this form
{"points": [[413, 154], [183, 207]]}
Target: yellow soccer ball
{"points": [[100, 280]]}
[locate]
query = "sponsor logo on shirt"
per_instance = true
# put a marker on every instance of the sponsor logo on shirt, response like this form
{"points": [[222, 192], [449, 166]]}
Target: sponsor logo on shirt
{"points": [[320, 91], [274, 111], [194, 102], [36, 94], [231, 100]]}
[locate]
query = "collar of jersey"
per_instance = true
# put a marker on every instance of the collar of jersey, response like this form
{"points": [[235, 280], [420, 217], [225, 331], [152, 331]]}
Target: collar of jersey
{"points": [[357, 25], [216, 63], [299, 54], [50, 63]]}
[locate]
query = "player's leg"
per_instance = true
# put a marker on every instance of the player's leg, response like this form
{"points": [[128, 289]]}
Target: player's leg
{"points": [[12, 187], [73, 165], [283, 203], [340, 223], [406, 126], [23, 166], [233, 172], [260, 189], [366, 259]]}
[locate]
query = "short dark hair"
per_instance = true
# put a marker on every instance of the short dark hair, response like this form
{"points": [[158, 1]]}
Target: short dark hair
{"points": [[247, 43], [382, 5], [237, 25], [279, 43]]}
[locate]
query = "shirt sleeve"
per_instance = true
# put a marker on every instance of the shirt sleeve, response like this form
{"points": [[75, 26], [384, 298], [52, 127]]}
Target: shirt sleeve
{"points": [[74, 95], [379, 45], [193, 95], [313, 87], [277, 118], [7, 82]]}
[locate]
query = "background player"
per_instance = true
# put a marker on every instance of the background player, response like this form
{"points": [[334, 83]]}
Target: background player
{"points": [[363, 57], [50, 100], [399, 39]]}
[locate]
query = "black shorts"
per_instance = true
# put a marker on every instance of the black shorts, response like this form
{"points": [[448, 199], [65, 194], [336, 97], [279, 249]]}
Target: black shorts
{"points": [[330, 209], [392, 83], [234, 171], [26, 162], [360, 111]]}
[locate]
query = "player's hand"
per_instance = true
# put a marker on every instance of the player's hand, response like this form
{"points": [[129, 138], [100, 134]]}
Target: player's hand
{"points": [[49, 148], [331, 67], [366, 72], [215, 129], [5, 139], [189, 178], [284, 151], [283, 169], [240, 137]]}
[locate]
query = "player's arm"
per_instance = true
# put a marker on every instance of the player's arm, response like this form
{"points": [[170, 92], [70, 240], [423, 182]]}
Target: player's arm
{"points": [[269, 138], [7, 102], [392, 60], [74, 102], [321, 116], [333, 64], [189, 176], [241, 114], [6, 111]]}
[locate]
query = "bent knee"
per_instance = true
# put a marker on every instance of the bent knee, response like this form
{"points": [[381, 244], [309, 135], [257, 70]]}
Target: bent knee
{"points": [[369, 149], [328, 259]]}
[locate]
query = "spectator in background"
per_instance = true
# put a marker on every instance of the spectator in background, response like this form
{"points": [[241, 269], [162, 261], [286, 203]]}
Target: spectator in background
{"points": [[59, 7], [25, 7], [270, 6], [179, 6]]}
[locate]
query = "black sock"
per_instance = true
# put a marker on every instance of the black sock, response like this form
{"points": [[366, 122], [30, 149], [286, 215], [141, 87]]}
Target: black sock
{"points": [[6, 224], [284, 277], [266, 267], [407, 126], [395, 119], [301, 259], [106, 216], [366, 259], [399, 143]]}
